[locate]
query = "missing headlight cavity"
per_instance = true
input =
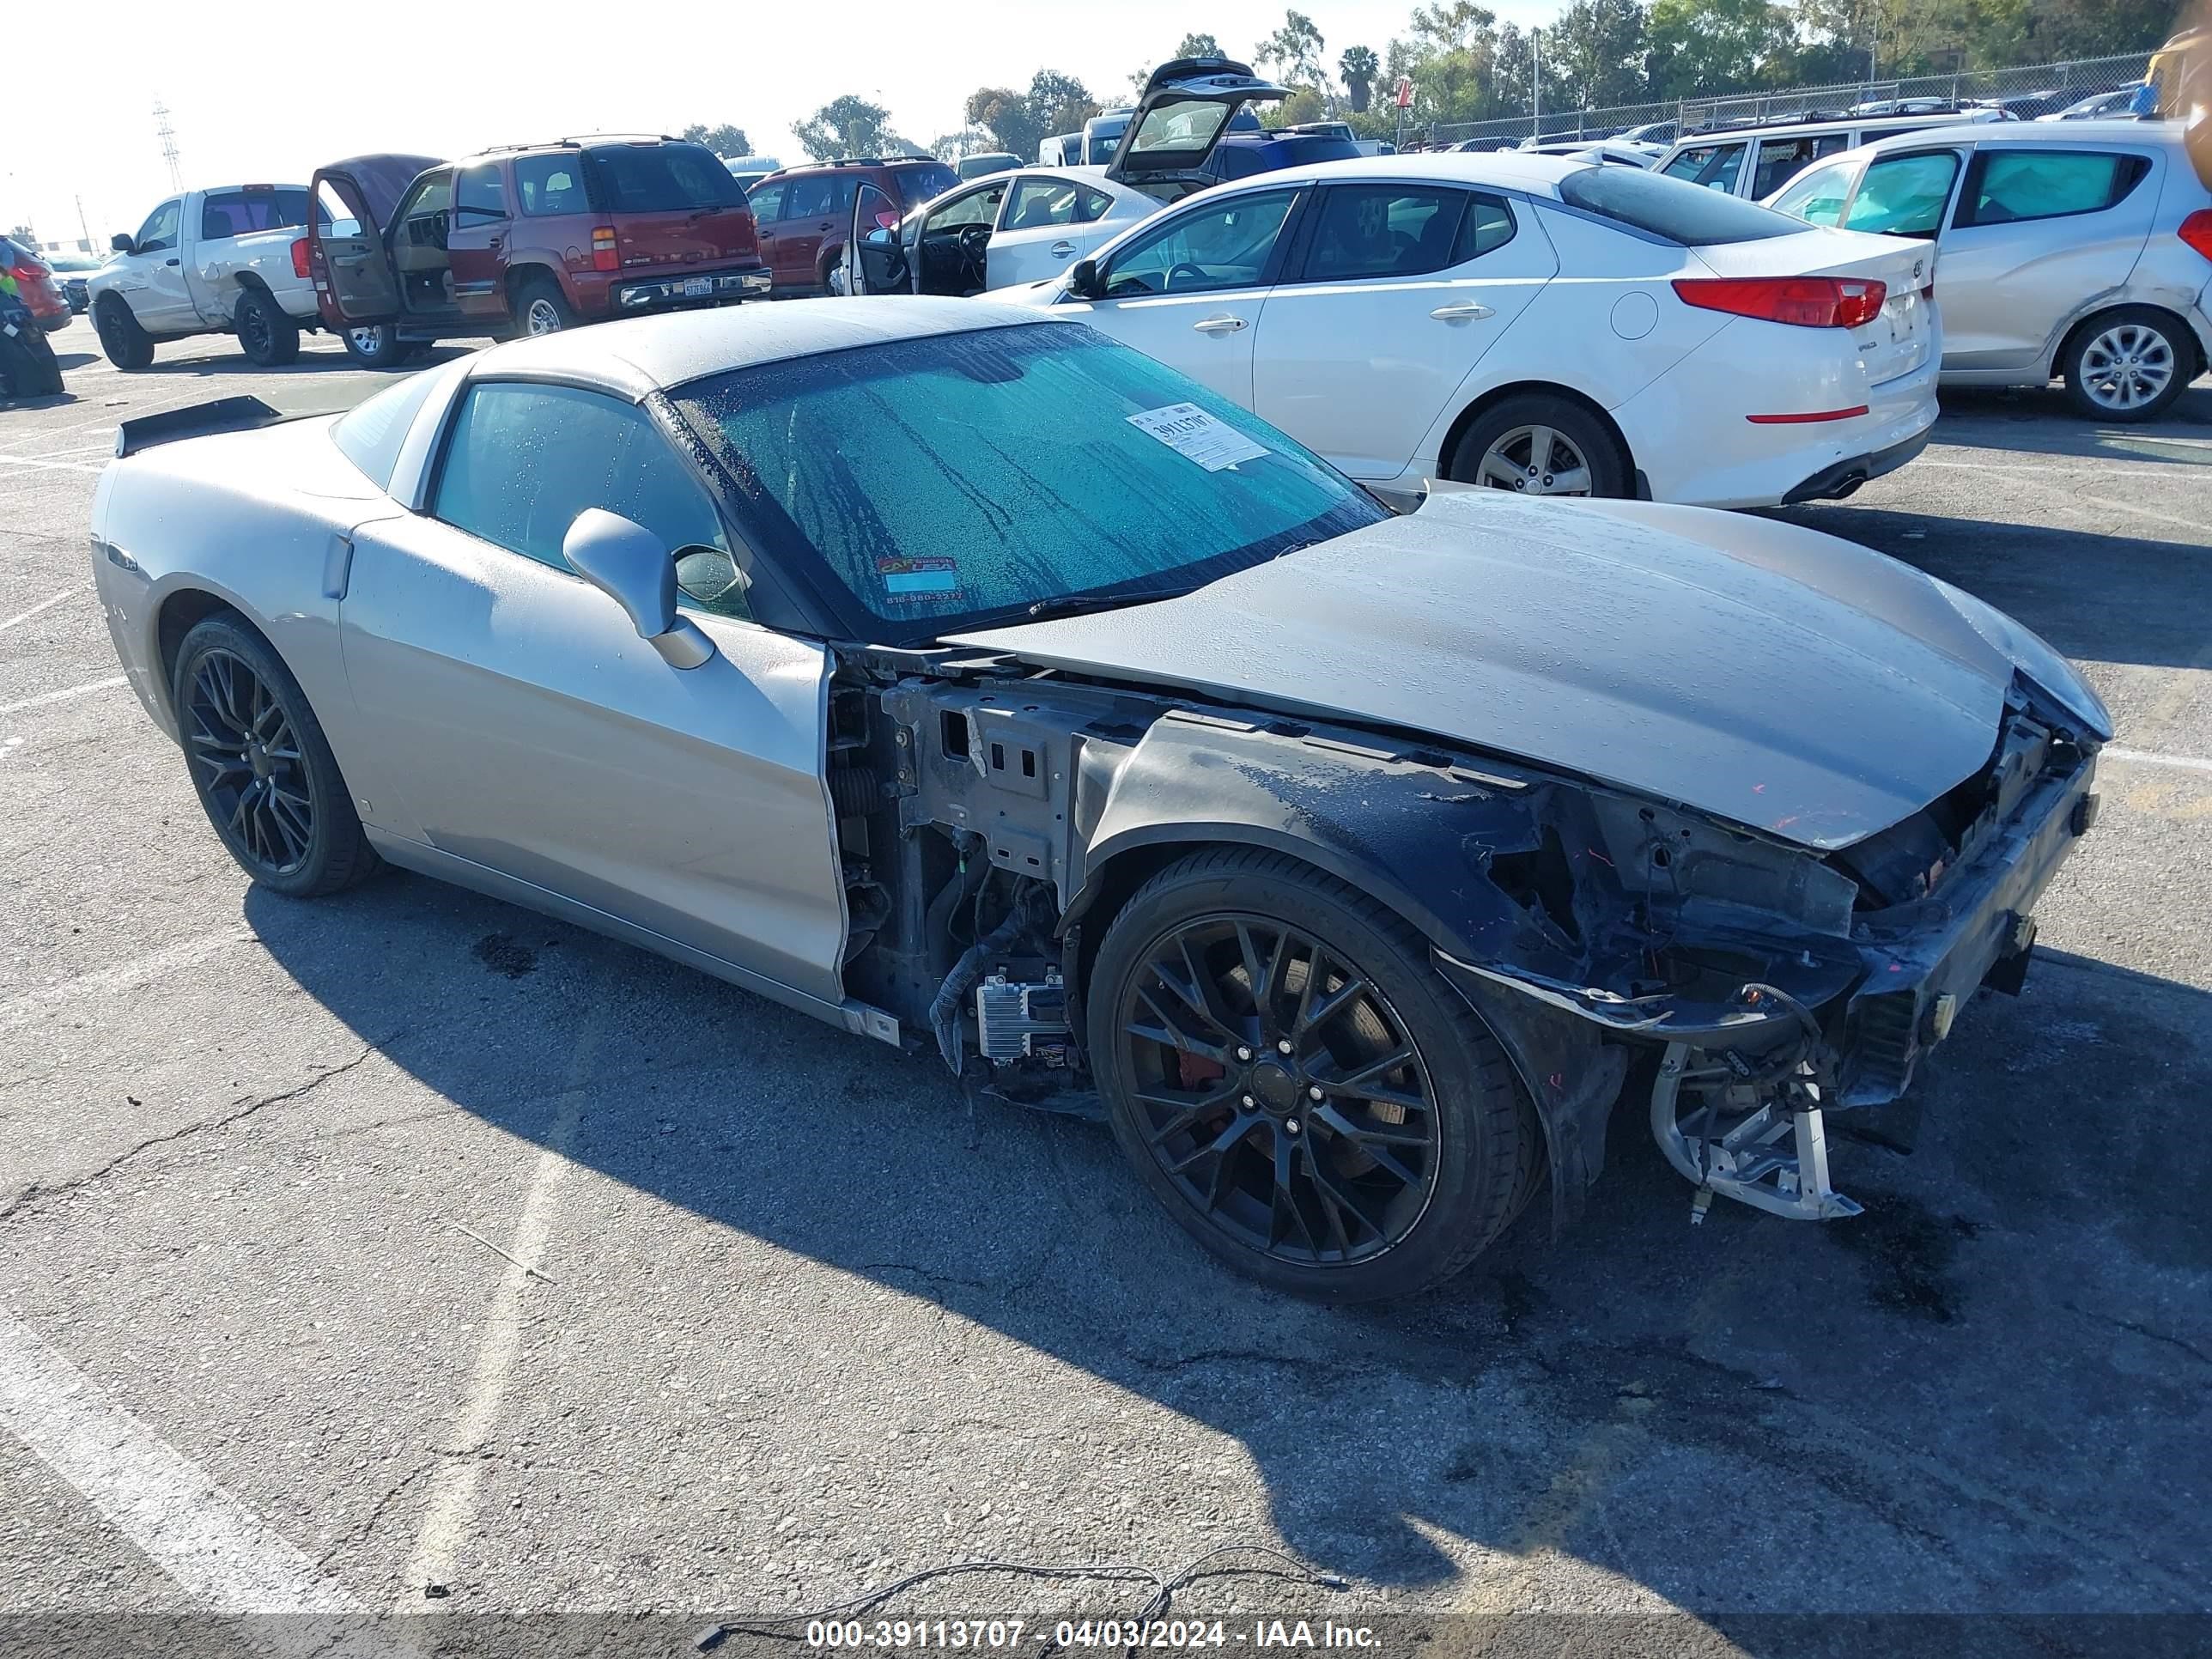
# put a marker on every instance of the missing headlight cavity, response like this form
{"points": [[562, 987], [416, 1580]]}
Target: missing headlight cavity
{"points": [[1541, 880]]}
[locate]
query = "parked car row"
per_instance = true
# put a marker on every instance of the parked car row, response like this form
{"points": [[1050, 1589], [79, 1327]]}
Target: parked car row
{"points": [[393, 252]]}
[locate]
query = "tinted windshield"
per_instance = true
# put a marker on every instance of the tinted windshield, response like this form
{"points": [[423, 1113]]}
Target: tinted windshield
{"points": [[919, 183], [663, 178], [1684, 213], [965, 477]]}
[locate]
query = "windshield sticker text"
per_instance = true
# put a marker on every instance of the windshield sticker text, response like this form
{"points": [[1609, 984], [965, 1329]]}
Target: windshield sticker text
{"points": [[1193, 433], [919, 579]]}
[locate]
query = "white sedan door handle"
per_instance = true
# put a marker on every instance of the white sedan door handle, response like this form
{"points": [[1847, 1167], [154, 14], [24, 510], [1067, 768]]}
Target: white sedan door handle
{"points": [[1062, 250], [1465, 311], [1219, 325]]}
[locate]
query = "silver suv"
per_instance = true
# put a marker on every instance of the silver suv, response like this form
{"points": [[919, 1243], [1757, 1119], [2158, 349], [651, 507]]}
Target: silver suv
{"points": [[2081, 251]]}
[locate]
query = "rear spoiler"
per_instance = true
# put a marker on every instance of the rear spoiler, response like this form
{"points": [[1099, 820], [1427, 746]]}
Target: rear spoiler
{"points": [[223, 415]]}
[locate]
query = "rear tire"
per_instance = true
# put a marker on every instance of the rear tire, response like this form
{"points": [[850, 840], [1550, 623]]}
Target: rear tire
{"points": [[267, 334], [127, 345], [261, 766], [375, 345], [2127, 364], [1360, 1141], [539, 309], [1500, 450]]}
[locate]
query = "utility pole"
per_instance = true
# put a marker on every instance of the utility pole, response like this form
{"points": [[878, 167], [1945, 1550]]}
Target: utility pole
{"points": [[1536, 83], [83, 230], [168, 135]]}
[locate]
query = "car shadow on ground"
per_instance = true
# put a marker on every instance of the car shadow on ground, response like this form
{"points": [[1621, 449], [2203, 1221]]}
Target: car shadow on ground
{"points": [[1988, 1393], [2153, 602], [2043, 421]]}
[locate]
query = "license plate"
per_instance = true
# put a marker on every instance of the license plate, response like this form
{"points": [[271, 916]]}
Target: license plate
{"points": [[696, 288]]}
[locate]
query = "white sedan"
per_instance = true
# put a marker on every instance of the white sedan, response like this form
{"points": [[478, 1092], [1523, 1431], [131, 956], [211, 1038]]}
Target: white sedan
{"points": [[1550, 325], [1008, 227]]}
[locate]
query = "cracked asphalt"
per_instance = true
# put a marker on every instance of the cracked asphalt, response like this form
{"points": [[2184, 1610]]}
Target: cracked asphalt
{"points": [[464, 1250]]}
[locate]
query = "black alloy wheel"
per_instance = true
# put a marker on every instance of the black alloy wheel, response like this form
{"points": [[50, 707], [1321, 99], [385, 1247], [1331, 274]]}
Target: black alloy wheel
{"points": [[1289, 1075], [261, 766], [1280, 1091], [248, 759]]}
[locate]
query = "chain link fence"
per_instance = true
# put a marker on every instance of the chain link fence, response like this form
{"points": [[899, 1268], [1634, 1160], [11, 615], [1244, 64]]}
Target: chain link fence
{"points": [[2028, 90]]}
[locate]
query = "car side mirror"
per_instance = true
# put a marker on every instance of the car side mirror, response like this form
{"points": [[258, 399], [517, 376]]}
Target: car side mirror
{"points": [[121, 242], [1083, 280], [630, 564]]}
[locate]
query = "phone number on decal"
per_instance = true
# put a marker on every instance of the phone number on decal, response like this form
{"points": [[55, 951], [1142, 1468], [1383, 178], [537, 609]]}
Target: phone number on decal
{"points": [[985, 1633]]}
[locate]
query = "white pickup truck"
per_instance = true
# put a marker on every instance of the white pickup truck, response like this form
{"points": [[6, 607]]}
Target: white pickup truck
{"points": [[225, 261]]}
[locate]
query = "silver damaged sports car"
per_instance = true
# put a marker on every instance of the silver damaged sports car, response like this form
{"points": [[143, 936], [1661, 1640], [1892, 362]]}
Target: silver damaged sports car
{"points": [[961, 677]]}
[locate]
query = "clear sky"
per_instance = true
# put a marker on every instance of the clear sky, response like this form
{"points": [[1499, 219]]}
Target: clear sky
{"points": [[268, 101]]}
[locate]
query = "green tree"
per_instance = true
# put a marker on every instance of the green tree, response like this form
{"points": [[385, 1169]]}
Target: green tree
{"points": [[1357, 69], [1019, 122], [1007, 116], [1719, 46], [726, 140], [1200, 46], [849, 126], [1061, 102], [1598, 48], [1294, 50]]}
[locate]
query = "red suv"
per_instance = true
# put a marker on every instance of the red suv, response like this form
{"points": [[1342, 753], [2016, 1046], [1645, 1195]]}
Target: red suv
{"points": [[804, 213], [526, 238], [33, 279]]}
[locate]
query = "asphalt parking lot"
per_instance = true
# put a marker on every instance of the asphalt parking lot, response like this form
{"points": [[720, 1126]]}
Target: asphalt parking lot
{"points": [[406, 1252]]}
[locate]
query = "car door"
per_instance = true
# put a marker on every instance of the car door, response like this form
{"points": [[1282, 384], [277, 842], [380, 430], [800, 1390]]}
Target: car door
{"points": [[2034, 236], [810, 200], [1049, 221], [352, 266], [876, 259], [767, 201], [476, 242], [530, 731], [153, 272], [1188, 289], [1397, 291], [952, 237]]}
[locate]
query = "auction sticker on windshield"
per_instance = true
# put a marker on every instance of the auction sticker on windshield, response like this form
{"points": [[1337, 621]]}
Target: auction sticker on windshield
{"points": [[919, 579], [1191, 432]]}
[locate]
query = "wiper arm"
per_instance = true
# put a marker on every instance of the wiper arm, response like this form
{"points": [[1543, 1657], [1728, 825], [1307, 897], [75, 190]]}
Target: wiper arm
{"points": [[1068, 604]]}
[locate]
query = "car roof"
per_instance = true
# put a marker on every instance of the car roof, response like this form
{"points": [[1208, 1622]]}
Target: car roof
{"points": [[638, 355], [1512, 169], [2036, 134], [1730, 132]]}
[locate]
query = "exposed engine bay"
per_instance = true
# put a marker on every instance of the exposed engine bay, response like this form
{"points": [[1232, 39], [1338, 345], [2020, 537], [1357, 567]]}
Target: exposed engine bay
{"points": [[992, 815]]}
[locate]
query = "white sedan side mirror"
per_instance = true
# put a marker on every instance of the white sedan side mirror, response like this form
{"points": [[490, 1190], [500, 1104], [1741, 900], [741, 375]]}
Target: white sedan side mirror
{"points": [[627, 563]]}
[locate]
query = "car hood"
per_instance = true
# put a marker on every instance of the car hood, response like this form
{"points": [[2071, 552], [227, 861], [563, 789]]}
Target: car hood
{"points": [[1784, 680]]}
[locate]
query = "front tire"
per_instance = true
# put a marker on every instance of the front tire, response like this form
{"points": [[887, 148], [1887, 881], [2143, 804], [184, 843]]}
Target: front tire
{"points": [[376, 345], [2128, 365], [261, 766], [269, 336], [1296, 1084], [127, 345], [1537, 445]]}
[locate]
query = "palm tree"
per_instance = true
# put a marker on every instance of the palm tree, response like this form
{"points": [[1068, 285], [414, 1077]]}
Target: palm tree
{"points": [[1360, 66]]}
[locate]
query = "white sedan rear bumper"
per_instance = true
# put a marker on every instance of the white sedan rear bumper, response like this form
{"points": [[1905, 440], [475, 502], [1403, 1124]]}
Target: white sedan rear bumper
{"points": [[1692, 441]]}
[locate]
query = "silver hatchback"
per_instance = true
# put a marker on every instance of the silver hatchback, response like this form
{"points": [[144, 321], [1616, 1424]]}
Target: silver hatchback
{"points": [[2082, 253]]}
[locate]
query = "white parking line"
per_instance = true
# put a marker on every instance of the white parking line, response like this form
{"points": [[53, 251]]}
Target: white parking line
{"points": [[58, 467], [449, 1511], [2151, 757], [2193, 526], [43, 604], [125, 975], [200, 1535], [64, 695]]}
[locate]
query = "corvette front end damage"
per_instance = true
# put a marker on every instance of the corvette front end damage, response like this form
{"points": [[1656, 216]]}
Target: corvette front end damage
{"points": [[1762, 982]]}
